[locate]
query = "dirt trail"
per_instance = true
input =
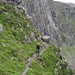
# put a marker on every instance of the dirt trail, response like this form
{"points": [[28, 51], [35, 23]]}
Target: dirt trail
{"points": [[34, 56]]}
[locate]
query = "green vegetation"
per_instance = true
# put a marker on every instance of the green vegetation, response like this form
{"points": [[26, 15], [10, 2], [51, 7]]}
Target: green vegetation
{"points": [[68, 51], [14, 49], [48, 66], [17, 45]]}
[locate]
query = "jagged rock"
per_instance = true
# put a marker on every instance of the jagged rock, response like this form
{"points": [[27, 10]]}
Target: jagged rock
{"points": [[60, 67], [12, 58], [45, 38], [20, 42], [53, 13], [3, 1], [13, 27], [3, 44], [20, 51], [21, 9], [17, 28], [56, 70], [44, 44], [28, 40], [25, 37], [35, 40], [38, 38], [21, 29], [58, 63], [33, 37], [20, 24], [27, 26], [5, 12], [20, 18], [16, 12], [66, 60], [1, 29], [29, 17], [19, 1], [56, 52]]}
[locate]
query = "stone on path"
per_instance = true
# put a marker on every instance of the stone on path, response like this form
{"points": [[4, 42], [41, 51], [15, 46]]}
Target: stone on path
{"points": [[1, 29]]}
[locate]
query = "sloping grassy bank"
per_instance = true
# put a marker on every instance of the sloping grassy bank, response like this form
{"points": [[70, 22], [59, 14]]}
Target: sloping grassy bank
{"points": [[69, 53], [14, 47], [49, 64]]}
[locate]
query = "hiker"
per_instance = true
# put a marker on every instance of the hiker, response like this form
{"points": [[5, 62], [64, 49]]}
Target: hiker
{"points": [[37, 48]]}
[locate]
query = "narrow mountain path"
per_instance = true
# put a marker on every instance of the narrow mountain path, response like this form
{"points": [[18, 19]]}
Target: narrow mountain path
{"points": [[34, 56]]}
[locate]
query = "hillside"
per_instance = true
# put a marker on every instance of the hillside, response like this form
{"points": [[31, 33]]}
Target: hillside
{"points": [[19, 37], [16, 40], [54, 19], [64, 18], [49, 63]]}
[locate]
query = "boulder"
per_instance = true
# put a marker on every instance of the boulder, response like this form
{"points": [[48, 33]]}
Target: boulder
{"points": [[29, 17], [45, 38]]}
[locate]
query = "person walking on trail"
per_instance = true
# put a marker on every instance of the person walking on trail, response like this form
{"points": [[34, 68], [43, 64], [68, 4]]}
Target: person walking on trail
{"points": [[37, 48]]}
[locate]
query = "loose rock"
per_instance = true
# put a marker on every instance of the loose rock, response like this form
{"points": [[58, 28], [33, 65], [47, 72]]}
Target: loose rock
{"points": [[1, 29]]}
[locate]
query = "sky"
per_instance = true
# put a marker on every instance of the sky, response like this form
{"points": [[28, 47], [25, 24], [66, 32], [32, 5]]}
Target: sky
{"points": [[66, 1]]}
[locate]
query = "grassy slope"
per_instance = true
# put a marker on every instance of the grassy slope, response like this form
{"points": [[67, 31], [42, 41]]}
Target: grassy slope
{"points": [[69, 53], [70, 49], [19, 52], [66, 22], [49, 60]]}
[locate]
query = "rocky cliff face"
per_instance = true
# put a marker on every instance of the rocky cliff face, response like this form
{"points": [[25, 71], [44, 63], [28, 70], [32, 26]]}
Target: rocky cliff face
{"points": [[64, 18], [54, 19], [51, 18], [42, 18]]}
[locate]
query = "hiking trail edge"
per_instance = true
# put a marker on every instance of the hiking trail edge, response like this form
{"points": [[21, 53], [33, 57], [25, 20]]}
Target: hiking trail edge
{"points": [[34, 56]]}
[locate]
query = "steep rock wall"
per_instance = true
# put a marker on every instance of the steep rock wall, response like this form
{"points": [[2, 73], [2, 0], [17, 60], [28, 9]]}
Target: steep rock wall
{"points": [[42, 18], [64, 18], [40, 11]]}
